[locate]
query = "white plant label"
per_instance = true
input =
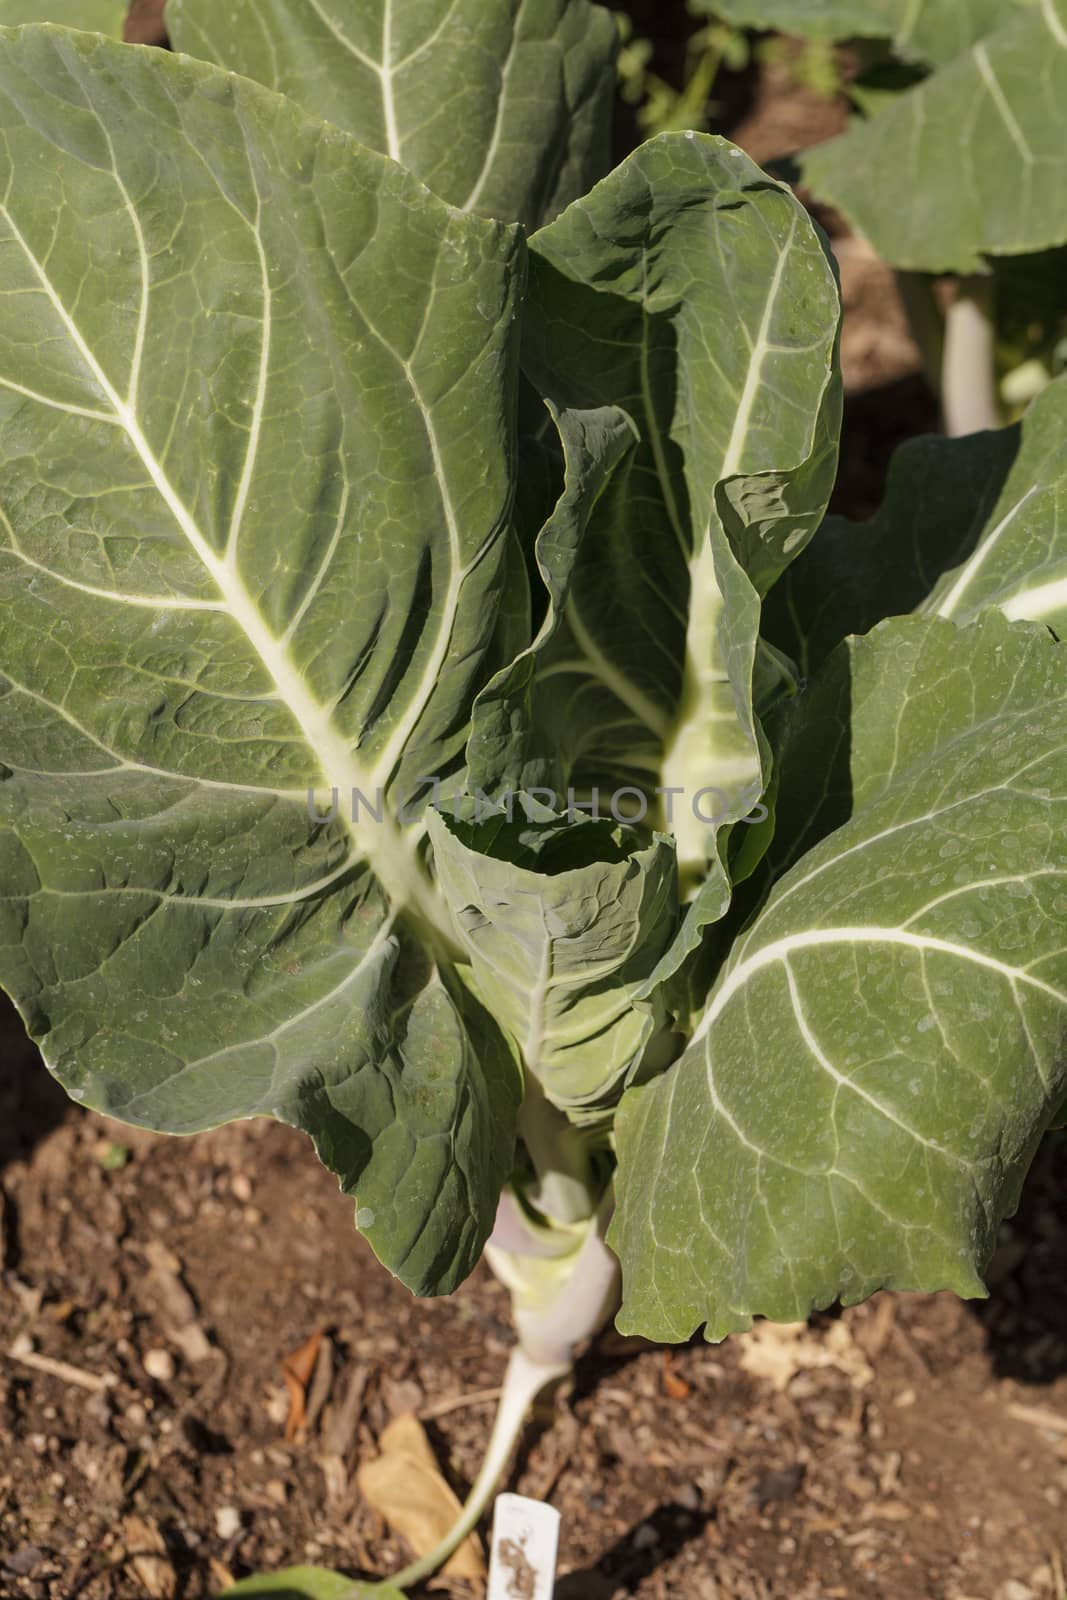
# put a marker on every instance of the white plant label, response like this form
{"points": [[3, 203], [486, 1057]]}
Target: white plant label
{"points": [[525, 1540]]}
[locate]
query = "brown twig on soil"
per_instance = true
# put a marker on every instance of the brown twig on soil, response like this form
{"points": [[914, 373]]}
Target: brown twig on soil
{"points": [[459, 1402], [321, 1382], [172, 1304], [63, 1370], [339, 1434], [910, 1351], [1039, 1417], [1059, 1582]]}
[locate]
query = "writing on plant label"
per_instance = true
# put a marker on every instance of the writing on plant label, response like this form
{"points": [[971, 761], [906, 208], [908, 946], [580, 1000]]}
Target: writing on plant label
{"points": [[522, 1564]]}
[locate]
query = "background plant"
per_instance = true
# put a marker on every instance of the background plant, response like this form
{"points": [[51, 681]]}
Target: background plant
{"points": [[661, 106], [713, 46], [955, 165]]}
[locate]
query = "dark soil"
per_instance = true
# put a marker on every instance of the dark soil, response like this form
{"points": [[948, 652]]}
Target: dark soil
{"points": [[911, 1449]]}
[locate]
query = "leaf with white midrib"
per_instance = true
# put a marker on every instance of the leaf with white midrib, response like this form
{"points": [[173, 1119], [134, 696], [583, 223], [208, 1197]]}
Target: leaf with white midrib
{"points": [[503, 107], [254, 525], [882, 1050], [1020, 561], [969, 163], [737, 419]]}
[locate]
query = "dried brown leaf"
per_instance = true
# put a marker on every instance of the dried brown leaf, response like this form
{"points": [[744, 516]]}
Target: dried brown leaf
{"points": [[674, 1386], [148, 1559], [777, 1352], [297, 1370], [406, 1489]]}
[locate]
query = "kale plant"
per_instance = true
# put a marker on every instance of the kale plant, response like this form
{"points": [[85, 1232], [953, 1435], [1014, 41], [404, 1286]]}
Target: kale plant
{"points": [[417, 725]]}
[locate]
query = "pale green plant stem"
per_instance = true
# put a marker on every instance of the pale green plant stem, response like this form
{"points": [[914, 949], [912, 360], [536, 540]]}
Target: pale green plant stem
{"points": [[968, 370], [523, 1382], [692, 106], [925, 321], [560, 1157], [559, 1313]]}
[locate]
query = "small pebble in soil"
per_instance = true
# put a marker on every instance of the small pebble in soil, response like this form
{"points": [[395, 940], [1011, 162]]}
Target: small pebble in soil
{"points": [[227, 1522], [25, 1559], [645, 1537], [780, 1484], [159, 1364]]}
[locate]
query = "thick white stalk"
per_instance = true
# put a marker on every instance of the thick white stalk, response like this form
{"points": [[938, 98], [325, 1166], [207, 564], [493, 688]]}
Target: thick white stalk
{"points": [[558, 1305], [690, 759], [968, 366], [925, 321]]}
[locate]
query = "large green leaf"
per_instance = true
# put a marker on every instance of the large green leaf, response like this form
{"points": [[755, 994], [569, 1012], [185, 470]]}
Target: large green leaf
{"points": [[563, 920], [502, 106], [930, 30], [254, 516], [966, 523], [95, 16], [971, 162], [884, 1047], [693, 291]]}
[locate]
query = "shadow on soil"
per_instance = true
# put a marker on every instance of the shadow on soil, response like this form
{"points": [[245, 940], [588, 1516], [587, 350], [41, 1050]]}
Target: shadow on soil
{"points": [[31, 1102], [1025, 1317], [636, 1554]]}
